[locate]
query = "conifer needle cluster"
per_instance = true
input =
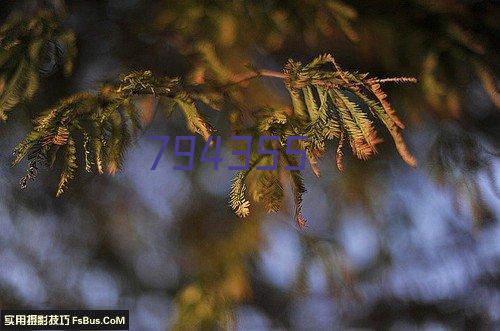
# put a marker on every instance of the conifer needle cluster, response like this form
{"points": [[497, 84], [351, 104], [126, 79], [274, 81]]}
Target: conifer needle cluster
{"points": [[94, 129]]}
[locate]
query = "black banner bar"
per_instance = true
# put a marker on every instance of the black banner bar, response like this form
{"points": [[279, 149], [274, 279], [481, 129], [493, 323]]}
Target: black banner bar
{"points": [[64, 319]]}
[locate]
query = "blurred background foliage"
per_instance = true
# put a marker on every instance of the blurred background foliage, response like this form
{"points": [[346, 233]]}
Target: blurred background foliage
{"points": [[387, 246]]}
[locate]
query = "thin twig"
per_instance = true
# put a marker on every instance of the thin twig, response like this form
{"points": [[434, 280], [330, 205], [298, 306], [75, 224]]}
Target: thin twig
{"points": [[241, 78], [244, 77]]}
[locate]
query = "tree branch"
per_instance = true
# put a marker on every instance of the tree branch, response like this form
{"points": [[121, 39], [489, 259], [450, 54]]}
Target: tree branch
{"points": [[244, 77]]}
